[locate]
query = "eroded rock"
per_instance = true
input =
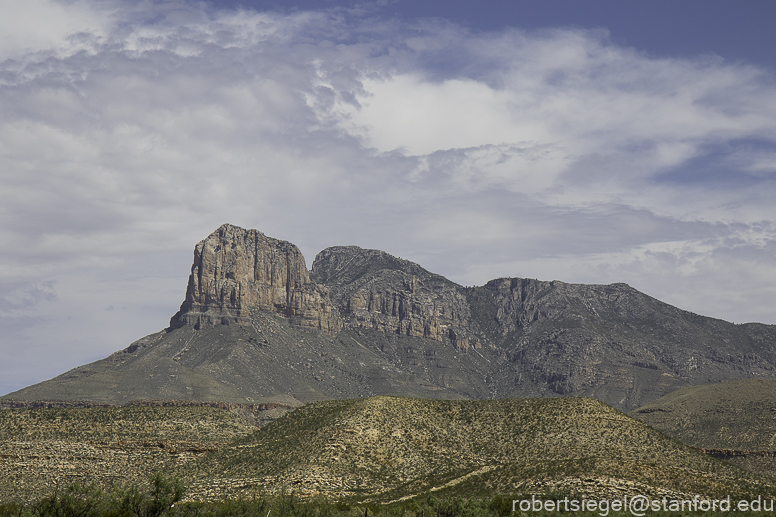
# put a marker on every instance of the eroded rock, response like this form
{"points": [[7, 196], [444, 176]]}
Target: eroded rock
{"points": [[237, 270]]}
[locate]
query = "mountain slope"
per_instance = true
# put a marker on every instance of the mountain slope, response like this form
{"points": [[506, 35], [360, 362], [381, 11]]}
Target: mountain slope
{"points": [[612, 341], [270, 361], [730, 415], [257, 326], [735, 419]]}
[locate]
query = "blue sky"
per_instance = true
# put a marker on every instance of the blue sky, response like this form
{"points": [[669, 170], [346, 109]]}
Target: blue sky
{"points": [[736, 31], [591, 142]]}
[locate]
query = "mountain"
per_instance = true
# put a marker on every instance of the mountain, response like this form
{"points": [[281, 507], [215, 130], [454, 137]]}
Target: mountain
{"points": [[257, 327], [734, 420]]}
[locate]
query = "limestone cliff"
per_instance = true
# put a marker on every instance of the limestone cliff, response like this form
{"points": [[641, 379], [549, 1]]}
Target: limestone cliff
{"points": [[236, 271], [375, 290]]}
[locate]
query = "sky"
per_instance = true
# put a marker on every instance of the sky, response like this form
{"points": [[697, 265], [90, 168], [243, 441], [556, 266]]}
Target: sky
{"points": [[582, 141]]}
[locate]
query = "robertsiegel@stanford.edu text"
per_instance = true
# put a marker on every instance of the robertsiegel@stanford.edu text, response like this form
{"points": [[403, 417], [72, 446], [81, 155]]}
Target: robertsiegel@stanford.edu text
{"points": [[639, 505]]}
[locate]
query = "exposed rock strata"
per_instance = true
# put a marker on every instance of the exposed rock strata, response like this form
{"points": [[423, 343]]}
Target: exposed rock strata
{"points": [[237, 270], [375, 290], [49, 404]]}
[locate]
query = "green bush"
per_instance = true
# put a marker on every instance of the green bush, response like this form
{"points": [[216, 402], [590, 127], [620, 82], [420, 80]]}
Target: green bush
{"points": [[500, 506], [163, 495], [74, 501], [90, 501], [10, 510]]}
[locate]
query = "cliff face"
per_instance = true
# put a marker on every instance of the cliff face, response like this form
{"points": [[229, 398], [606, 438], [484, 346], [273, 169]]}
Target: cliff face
{"points": [[375, 290], [236, 271]]}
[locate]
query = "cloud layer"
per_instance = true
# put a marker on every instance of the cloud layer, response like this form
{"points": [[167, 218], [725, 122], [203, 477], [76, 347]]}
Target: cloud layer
{"points": [[129, 131]]}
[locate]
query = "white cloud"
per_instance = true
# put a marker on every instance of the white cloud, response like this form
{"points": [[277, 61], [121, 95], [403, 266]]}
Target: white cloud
{"points": [[568, 89], [45, 25], [132, 130], [456, 113]]}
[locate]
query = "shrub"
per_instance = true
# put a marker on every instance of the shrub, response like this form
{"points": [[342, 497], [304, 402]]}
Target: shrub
{"points": [[74, 501], [163, 495]]}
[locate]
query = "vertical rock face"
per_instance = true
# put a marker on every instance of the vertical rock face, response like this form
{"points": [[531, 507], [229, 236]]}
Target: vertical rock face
{"points": [[237, 270], [375, 290]]}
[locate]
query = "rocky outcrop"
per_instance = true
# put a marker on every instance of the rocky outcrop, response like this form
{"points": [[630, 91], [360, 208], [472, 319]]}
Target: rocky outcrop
{"points": [[236, 271], [49, 404], [375, 290], [517, 301]]}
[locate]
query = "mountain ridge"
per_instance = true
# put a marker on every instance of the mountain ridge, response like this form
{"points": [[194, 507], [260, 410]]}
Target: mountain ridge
{"points": [[257, 326]]}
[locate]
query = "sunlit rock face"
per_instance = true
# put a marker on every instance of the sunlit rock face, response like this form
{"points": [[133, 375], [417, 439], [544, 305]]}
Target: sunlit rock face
{"points": [[237, 270]]}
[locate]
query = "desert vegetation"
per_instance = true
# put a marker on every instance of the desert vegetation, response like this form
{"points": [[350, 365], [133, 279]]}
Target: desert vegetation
{"points": [[162, 496], [389, 449], [379, 452], [734, 420], [44, 451]]}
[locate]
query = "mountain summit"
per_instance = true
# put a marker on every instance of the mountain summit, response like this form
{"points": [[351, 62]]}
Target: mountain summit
{"points": [[236, 271], [257, 327]]}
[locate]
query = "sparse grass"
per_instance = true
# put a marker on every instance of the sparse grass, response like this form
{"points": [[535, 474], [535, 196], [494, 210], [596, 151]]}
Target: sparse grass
{"points": [[162, 498], [402, 447], [46, 450], [737, 415], [362, 451], [730, 416]]}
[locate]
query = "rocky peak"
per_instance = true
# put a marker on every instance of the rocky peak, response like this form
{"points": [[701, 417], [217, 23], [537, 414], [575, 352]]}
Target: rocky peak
{"points": [[375, 290], [237, 270], [518, 302], [344, 265]]}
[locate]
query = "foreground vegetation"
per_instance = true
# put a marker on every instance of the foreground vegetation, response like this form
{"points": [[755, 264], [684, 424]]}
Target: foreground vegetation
{"points": [[163, 496]]}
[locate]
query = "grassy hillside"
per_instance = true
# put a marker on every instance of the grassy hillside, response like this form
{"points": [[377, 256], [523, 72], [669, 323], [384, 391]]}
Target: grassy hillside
{"points": [[46, 449], [387, 448], [376, 449], [729, 415], [735, 416]]}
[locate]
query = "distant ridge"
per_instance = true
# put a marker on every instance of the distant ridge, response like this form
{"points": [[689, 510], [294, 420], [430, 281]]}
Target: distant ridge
{"points": [[256, 414], [50, 404], [734, 420], [257, 327], [61, 404]]}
